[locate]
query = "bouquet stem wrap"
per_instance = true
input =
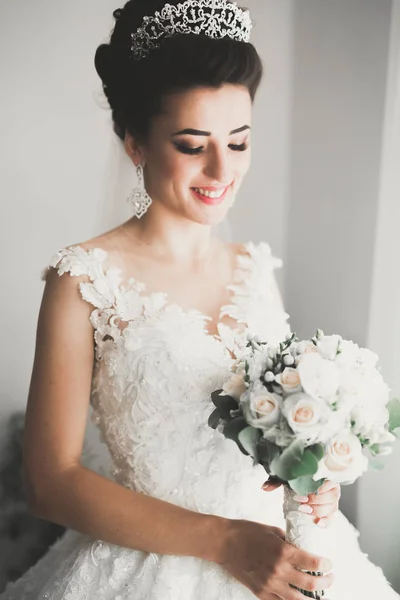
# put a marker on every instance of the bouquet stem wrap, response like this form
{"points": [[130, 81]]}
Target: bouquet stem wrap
{"points": [[302, 532]]}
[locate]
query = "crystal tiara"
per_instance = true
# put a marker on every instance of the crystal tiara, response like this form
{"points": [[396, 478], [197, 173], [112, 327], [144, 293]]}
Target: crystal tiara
{"points": [[214, 18]]}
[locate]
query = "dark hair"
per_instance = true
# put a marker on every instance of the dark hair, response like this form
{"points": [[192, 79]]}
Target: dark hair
{"points": [[135, 89]]}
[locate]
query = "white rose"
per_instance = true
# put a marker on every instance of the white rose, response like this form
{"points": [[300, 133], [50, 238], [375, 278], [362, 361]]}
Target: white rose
{"points": [[365, 396], [382, 436], [319, 377], [368, 423], [328, 346], [303, 348], [306, 416], [261, 408], [367, 358], [344, 461], [348, 353], [234, 387], [289, 380]]}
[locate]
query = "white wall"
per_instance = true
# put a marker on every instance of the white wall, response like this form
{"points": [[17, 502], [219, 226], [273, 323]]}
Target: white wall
{"points": [[261, 210], [378, 512], [54, 146], [59, 157], [340, 68]]}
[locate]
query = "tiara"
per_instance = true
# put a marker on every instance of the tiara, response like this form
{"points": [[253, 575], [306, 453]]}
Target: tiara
{"points": [[214, 18]]}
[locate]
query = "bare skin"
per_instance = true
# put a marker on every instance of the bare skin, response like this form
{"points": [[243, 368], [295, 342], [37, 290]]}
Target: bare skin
{"points": [[171, 250]]}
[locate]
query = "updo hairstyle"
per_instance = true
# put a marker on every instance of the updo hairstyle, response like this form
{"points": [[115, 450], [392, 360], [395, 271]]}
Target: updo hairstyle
{"points": [[135, 89]]}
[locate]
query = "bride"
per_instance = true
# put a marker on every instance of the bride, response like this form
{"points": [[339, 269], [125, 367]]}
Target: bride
{"points": [[144, 322]]}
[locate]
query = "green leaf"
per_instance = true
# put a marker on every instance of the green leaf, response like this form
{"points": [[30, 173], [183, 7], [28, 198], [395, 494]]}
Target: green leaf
{"points": [[224, 404], [305, 485], [267, 451], [249, 439], [376, 465], [283, 465], [318, 450], [232, 430], [394, 414], [307, 466], [214, 419]]}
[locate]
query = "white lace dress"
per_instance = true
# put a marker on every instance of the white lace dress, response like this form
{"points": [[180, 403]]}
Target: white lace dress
{"points": [[151, 388]]}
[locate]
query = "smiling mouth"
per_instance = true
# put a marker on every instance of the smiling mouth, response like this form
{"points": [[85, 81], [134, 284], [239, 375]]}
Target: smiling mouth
{"points": [[211, 195]]}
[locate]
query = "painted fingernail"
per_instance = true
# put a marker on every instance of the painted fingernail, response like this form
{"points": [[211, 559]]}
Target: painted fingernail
{"points": [[301, 499], [322, 523], [305, 509]]}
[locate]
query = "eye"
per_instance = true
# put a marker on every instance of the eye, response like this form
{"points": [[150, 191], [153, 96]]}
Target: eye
{"points": [[188, 149], [238, 147]]}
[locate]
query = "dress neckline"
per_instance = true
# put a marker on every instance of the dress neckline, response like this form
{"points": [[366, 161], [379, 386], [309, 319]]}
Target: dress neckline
{"points": [[162, 299]]}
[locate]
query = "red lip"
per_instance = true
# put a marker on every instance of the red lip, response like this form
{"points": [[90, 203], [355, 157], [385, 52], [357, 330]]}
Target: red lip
{"points": [[211, 201]]}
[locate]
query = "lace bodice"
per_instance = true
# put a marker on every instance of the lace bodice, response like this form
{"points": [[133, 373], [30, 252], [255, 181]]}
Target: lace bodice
{"points": [[155, 368]]}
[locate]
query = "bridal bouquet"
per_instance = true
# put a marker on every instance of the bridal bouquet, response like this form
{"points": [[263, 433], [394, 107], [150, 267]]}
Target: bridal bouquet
{"points": [[307, 411]]}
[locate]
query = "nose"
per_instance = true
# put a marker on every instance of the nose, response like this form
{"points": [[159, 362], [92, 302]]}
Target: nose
{"points": [[218, 167]]}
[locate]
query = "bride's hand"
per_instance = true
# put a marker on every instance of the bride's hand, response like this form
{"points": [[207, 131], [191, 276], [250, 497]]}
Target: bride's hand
{"points": [[258, 556], [322, 505]]}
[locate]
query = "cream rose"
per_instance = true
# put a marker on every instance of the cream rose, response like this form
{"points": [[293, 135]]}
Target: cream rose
{"points": [[234, 387], [344, 461], [306, 416], [262, 409], [304, 348], [289, 380]]}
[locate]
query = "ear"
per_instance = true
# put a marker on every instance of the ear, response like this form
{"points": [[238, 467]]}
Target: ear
{"points": [[133, 150]]}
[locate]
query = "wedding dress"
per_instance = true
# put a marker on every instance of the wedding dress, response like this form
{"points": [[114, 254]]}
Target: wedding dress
{"points": [[151, 387]]}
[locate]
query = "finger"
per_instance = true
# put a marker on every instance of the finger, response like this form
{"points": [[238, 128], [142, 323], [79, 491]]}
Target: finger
{"points": [[270, 486], [279, 532], [310, 562], [286, 592], [289, 591], [309, 582], [328, 485], [331, 496], [324, 510], [322, 522]]}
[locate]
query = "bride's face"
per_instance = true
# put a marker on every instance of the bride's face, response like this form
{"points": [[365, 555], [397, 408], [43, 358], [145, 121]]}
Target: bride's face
{"points": [[198, 152]]}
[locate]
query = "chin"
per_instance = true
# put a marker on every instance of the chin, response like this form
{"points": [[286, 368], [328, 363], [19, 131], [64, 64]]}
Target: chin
{"points": [[212, 217]]}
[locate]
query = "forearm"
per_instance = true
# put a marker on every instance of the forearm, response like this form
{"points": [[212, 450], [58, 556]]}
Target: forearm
{"points": [[91, 504]]}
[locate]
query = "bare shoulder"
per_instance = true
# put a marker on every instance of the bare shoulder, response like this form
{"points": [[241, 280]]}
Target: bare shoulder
{"points": [[117, 243], [236, 248]]}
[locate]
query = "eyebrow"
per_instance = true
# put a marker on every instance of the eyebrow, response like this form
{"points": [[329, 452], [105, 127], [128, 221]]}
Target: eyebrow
{"points": [[207, 133]]}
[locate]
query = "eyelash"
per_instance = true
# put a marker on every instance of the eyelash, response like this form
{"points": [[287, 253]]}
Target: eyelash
{"points": [[194, 151]]}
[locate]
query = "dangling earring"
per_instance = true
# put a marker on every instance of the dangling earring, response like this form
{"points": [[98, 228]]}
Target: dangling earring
{"points": [[139, 198]]}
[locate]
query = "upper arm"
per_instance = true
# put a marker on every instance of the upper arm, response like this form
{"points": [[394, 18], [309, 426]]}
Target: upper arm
{"points": [[59, 392]]}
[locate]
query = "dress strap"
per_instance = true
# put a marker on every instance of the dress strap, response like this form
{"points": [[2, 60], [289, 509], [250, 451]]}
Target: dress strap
{"points": [[256, 299], [100, 289]]}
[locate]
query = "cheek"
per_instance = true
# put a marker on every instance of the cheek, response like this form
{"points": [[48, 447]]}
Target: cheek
{"points": [[176, 167], [243, 163]]}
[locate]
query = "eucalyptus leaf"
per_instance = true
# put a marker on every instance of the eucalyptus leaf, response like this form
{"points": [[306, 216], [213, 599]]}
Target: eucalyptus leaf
{"points": [[308, 465], [318, 450], [306, 485], [249, 439], [224, 404], [267, 451], [214, 419], [376, 465], [394, 414], [283, 466], [232, 430]]}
